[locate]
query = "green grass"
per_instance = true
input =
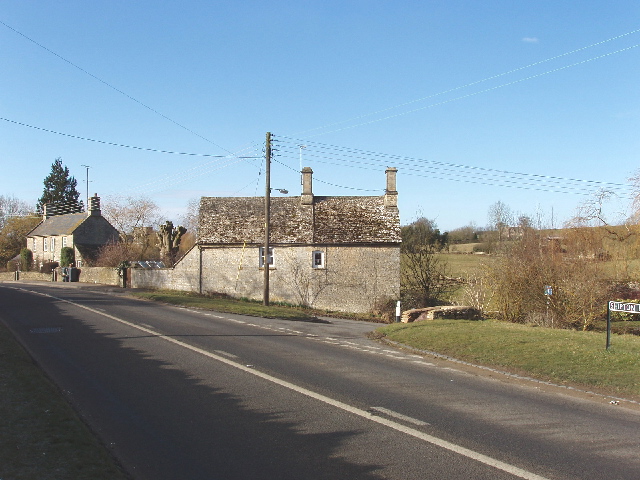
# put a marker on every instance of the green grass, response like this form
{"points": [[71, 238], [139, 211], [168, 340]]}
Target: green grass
{"points": [[461, 266], [561, 356], [41, 436], [222, 303]]}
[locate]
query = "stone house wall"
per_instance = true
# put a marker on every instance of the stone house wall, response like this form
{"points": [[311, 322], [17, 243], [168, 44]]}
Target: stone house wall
{"points": [[354, 277]]}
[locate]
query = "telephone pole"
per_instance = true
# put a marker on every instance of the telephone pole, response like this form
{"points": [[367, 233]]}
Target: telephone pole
{"points": [[267, 220], [87, 197]]}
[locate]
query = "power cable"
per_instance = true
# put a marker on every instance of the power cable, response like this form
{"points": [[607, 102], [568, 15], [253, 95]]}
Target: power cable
{"points": [[86, 139], [151, 109], [493, 77], [514, 82], [356, 158]]}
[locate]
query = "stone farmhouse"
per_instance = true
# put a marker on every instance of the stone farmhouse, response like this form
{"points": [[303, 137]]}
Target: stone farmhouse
{"points": [[85, 232], [339, 253]]}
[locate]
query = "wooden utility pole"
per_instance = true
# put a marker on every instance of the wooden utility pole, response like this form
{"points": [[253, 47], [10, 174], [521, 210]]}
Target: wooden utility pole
{"points": [[267, 220]]}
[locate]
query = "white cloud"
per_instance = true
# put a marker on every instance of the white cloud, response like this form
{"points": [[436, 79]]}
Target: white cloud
{"points": [[530, 39]]}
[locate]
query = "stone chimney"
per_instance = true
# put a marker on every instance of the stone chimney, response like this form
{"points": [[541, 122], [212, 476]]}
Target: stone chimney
{"points": [[391, 194], [47, 211], [94, 206], [307, 190]]}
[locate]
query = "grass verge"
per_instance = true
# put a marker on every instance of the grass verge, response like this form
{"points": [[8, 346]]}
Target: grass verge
{"points": [[41, 436], [222, 303], [560, 356]]}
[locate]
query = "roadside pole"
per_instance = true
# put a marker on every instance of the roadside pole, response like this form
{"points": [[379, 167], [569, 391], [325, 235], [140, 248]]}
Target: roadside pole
{"points": [[267, 220], [608, 325]]}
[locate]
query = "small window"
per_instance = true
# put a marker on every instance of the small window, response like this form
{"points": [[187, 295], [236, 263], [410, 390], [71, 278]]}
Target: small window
{"points": [[318, 259], [64, 242], [270, 261], [53, 244], [33, 244], [45, 244]]}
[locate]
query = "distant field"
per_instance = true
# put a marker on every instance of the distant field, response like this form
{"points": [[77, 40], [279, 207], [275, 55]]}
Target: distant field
{"points": [[461, 265]]}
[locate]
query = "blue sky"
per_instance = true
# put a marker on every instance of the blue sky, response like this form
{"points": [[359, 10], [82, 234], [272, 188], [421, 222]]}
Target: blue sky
{"points": [[530, 103]]}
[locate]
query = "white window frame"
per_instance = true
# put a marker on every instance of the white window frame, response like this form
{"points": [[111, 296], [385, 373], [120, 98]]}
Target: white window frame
{"points": [[53, 245], [34, 245], [318, 259], [64, 242], [271, 259], [45, 244]]}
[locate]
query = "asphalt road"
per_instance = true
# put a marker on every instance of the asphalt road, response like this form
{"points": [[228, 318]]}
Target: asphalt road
{"points": [[187, 394]]}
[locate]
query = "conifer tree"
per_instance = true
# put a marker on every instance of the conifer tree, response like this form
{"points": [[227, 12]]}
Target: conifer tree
{"points": [[60, 189]]}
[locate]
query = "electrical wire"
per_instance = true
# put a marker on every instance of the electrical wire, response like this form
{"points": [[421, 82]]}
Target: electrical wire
{"points": [[357, 158], [151, 109], [113, 144], [444, 102], [493, 77]]}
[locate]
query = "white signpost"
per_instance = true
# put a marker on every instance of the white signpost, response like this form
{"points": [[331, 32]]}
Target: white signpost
{"points": [[619, 307]]}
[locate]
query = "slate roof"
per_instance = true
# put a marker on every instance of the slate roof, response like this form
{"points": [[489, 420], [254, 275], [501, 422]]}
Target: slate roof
{"points": [[330, 220], [58, 225]]}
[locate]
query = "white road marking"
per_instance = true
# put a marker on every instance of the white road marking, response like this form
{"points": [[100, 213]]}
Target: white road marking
{"points": [[226, 354], [399, 416], [452, 447]]}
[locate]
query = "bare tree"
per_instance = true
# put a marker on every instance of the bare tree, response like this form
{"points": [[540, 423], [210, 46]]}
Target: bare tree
{"points": [[500, 217], [12, 207], [169, 238], [130, 214], [190, 219], [424, 276]]}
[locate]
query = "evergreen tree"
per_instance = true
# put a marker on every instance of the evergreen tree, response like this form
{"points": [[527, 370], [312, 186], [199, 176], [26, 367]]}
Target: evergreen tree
{"points": [[60, 188]]}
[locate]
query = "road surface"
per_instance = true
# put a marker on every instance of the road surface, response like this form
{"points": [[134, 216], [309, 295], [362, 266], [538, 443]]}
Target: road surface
{"points": [[190, 394]]}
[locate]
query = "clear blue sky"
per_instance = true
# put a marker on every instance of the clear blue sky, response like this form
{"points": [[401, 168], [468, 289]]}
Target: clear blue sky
{"points": [[453, 93]]}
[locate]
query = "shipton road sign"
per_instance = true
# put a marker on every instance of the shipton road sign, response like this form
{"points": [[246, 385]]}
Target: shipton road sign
{"points": [[624, 307]]}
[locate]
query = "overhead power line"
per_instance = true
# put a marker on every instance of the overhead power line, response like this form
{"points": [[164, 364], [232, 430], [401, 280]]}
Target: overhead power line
{"points": [[113, 144], [367, 160], [151, 109], [473, 94], [471, 84]]}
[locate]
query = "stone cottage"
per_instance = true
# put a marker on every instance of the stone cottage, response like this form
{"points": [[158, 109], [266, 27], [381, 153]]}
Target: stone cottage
{"points": [[334, 253], [328, 252], [85, 232]]}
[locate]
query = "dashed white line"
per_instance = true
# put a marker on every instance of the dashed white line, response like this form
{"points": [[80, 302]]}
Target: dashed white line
{"points": [[400, 416]]}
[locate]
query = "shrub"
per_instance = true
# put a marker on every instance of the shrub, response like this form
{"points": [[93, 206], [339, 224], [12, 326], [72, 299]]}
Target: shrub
{"points": [[26, 259], [48, 267], [67, 256], [519, 276]]}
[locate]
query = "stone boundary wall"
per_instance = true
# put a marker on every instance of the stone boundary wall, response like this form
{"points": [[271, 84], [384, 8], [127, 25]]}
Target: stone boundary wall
{"points": [[183, 276], [102, 275], [44, 277]]}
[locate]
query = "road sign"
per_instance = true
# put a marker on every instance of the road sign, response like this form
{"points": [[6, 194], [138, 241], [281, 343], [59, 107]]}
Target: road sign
{"points": [[624, 307]]}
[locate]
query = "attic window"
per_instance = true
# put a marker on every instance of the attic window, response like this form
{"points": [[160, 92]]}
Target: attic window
{"points": [[318, 259], [270, 261]]}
